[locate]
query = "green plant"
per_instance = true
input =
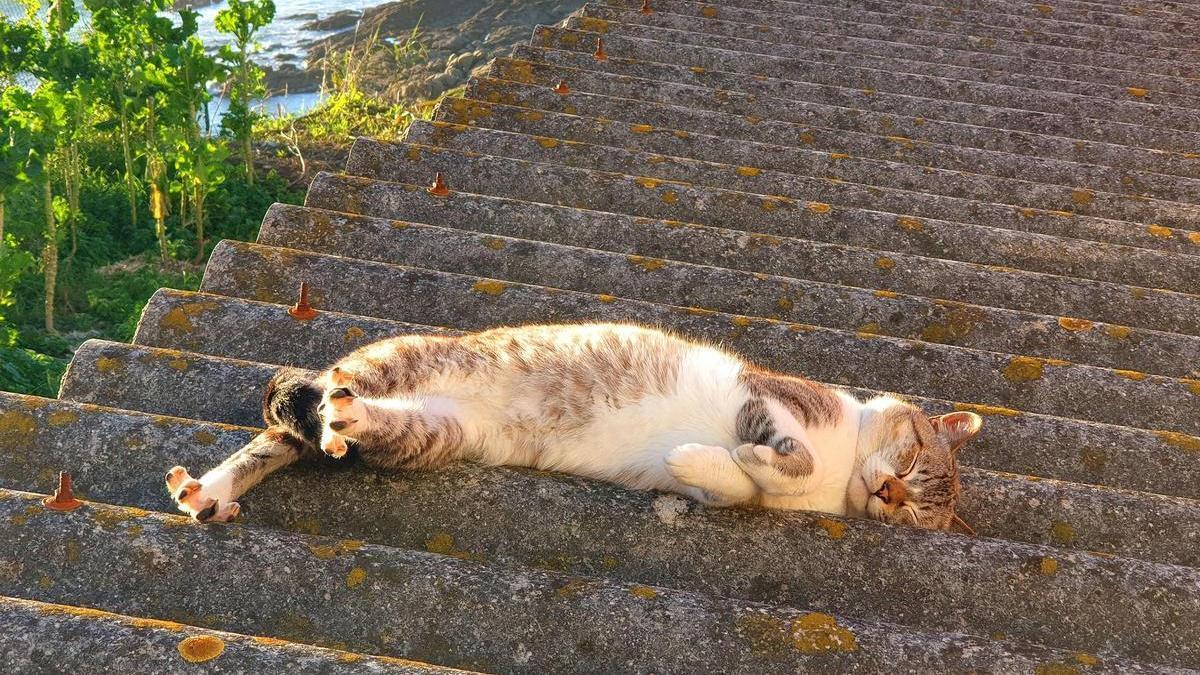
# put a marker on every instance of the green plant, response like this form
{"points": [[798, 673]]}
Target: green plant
{"points": [[242, 19]]}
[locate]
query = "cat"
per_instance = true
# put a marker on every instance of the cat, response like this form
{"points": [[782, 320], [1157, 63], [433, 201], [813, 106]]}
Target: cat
{"points": [[622, 403]]}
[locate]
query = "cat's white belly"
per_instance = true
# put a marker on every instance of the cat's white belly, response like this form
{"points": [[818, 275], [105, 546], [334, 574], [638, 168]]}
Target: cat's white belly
{"points": [[628, 444]]}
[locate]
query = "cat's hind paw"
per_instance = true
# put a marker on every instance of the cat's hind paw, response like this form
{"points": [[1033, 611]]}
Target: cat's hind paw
{"points": [[204, 503], [343, 414]]}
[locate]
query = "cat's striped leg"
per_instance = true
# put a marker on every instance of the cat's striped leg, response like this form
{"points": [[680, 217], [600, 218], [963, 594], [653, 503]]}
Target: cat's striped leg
{"points": [[212, 497], [711, 474]]}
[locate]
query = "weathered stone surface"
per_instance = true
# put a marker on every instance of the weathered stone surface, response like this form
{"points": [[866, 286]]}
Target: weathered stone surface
{"points": [[440, 609], [760, 40], [994, 105], [38, 637], [486, 505], [822, 127], [480, 250], [860, 359], [764, 215], [825, 20], [859, 158], [883, 218], [1038, 24], [958, 63]]}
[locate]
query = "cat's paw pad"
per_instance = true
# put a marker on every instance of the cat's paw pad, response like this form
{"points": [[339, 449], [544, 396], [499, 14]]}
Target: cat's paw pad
{"points": [[333, 444], [696, 464], [202, 503]]}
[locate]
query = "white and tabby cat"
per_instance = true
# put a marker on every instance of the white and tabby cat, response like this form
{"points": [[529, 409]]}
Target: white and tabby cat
{"points": [[621, 403]]}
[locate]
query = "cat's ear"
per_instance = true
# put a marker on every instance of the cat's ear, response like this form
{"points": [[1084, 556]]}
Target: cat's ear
{"points": [[957, 427], [957, 525]]}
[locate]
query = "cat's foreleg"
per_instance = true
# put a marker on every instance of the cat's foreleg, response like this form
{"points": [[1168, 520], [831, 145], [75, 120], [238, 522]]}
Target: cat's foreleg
{"points": [[787, 467], [711, 473], [212, 497]]}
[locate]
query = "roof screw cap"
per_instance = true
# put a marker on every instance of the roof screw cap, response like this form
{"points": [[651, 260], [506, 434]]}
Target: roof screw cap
{"points": [[646, 7], [438, 188], [302, 310], [600, 54], [561, 88], [63, 499]]}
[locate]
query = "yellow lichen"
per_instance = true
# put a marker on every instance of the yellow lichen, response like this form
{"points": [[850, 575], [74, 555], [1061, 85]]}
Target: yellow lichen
{"points": [[355, 577], [886, 294], [1043, 8], [349, 657], [204, 437], [911, 224], [1087, 659], [838, 155], [443, 544], [814, 633], [1056, 669], [641, 128], [1075, 325], [807, 137], [61, 418], [785, 304], [201, 648], [868, 330], [670, 196], [353, 334], [648, 183], [1130, 374], [699, 70], [1049, 566], [331, 551], [1062, 533], [546, 143], [986, 409], [818, 207], [177, 320], [1178, 440], [709, 12], [1118, 332], [740, 321], [1082, 196], [885, 263], [16, 428], [1023, 369], [680, 134], [835, 529], [489, 287], [699, 311], [748, 171], [593, 25], [644, 592], [178, 364], [1192, 385], [1137, 92], [1159, 231], [604, 297], [106, 365], [647, 264]]}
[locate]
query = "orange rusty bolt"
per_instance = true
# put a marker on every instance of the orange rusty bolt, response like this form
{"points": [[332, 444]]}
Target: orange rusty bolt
{"points": [[600, 54], [62, 500], [561, 88], [438, 189], [302, 310], [646, 7]]}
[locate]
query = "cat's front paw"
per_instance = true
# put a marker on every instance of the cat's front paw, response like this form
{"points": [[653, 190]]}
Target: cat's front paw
{"points": [[206, 503], [790, 469], [696, 464]]}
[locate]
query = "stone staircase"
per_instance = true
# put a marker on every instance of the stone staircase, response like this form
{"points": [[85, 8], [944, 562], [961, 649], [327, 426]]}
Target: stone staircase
{"points": [[981, 205]]}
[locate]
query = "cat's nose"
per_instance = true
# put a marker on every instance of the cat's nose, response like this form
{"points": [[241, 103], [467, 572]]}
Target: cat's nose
{"points": [[892, 491]]}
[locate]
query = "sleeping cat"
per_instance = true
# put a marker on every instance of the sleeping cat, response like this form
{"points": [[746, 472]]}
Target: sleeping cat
{"points": [[620, 403]]}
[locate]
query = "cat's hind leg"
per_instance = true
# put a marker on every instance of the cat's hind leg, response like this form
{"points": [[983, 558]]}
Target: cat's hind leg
{"points": [[711, 473]]}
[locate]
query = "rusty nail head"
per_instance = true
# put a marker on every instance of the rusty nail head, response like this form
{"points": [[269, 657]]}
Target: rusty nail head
{"points": [[600, 54], [646, 7], [302, 310], [561, 88], [62, 500], [438, 189]]}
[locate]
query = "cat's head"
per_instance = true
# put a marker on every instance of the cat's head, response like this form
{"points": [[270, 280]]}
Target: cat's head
{"points": [[908, 474]]}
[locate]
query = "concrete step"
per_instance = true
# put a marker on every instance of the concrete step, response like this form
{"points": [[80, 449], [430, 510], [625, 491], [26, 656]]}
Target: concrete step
{"points": [[1128, 122], [742, 37], [467, 500], [774, 216], [1078, 451], [488, 249], [39, 637], [680, 15], [867, 215], [1034, 20], [1103, 13], [458, 612], [862, 359], [912, 139], [983, 175], [865, 25]]}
